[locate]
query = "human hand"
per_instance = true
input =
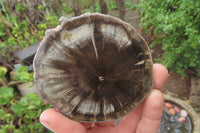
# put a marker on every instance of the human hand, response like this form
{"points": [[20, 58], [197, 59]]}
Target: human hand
{"points": [[144, 119]]}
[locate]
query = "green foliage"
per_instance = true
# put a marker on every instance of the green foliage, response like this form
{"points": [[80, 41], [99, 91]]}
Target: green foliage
{"points": [[30, 106], [3, 80], [196, 109], [22, 74], [51, 21], [6, 117], [20, 7], [2, 114], [16, 34], [8, 129], [25, 112], [40, 7], [6, 94], [131, 6], [68, 9], [176, 25], [3, 71], [112, 6], [42, 26], [97, 7], [20, 114]]}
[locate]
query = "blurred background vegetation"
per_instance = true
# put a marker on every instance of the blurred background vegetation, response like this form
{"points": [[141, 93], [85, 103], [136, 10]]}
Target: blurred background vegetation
{"points": [[172, 23]]}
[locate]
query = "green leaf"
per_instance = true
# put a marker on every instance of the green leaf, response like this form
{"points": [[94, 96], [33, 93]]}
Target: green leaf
{"points": [[131, 5], [112, 6], [2, 34], [196, 109], [33, 114], [30, 107], [34, 99], [5, 117], [2, 114], [23, 69], [18, 108], [7, 128], [20, 7], [42, 26], [30, 104], [69, 10], [17, 131], [23, 101], [40, 7], [6, 94], [3, 71], [23, 75]]}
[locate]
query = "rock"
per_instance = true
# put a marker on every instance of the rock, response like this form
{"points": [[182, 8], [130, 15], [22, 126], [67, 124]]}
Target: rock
{"points": [[26, 88], [169, 105], [183, 113], [177, 109], [27, 54], [172, 111], [181, 119]]}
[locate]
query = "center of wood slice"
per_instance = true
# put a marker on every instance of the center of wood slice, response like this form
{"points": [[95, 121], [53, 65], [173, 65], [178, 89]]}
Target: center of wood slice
{"points": [[101, 78]]}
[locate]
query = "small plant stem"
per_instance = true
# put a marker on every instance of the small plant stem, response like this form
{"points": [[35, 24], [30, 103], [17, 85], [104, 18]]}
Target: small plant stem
{"points": [[11, 123], [20, 121], [7, 65], [14, 83], [29, 21]]}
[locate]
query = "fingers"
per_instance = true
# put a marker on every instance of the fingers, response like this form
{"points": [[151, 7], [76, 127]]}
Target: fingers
{"points": [[152, 113], [88, 125], [107, 123], [58, 123], [100, 124], [153, 105], [130, 121], [160, 74]]}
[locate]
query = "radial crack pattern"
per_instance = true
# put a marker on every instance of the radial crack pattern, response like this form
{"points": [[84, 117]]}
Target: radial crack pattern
{"points": [[93, 68]]}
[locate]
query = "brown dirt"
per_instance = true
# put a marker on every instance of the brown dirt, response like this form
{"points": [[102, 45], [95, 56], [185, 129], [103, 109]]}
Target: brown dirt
{"points": [[179, 86]]}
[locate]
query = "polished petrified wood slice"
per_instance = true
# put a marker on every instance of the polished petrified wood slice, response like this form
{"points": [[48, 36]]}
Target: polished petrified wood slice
{"points": [[93, 68]]}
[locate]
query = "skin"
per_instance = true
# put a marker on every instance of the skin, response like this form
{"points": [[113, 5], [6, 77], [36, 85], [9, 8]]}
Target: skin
{"points": [[144, 119]]}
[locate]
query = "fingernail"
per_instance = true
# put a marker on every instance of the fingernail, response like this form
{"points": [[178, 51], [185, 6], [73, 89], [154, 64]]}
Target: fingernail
{"points": [[44, 119]]}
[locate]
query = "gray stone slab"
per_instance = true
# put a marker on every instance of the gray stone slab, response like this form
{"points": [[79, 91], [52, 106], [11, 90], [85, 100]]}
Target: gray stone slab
{"points": [[27, 54]]}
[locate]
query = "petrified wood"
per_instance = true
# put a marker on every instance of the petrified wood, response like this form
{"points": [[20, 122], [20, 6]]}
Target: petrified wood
{"points": [[93, 68]]}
